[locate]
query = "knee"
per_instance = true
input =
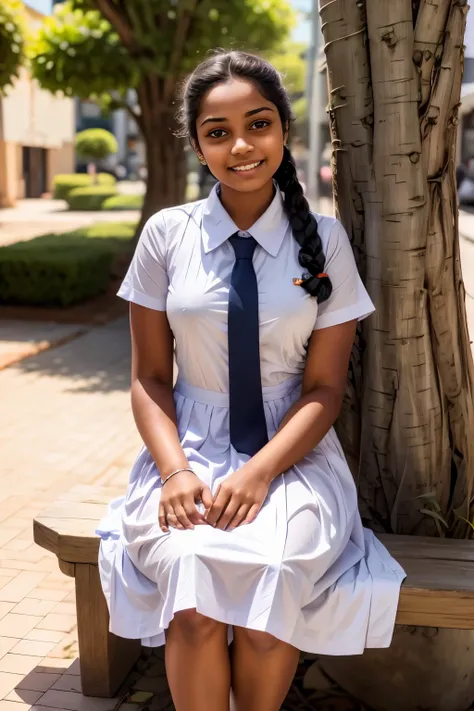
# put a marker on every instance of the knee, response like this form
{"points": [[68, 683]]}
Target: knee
{"points": [[259, 642], [194, 625]]}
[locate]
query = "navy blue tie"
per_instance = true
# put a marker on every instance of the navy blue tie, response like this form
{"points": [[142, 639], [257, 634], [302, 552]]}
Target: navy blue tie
{"points": [[248, 430]]}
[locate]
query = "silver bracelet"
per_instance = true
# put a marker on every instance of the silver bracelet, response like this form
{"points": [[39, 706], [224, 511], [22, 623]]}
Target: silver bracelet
{"points": [[185, 469]]}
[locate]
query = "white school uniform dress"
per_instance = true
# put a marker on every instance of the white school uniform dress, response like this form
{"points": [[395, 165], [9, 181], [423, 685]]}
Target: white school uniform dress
{"points": [[305, 570]]}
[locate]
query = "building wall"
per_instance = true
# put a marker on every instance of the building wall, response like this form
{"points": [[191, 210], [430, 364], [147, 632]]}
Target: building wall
{"points": [[32, 117]]}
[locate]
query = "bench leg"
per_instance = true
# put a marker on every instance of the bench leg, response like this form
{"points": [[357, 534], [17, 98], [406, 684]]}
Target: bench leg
{"points": [[105, 659]]}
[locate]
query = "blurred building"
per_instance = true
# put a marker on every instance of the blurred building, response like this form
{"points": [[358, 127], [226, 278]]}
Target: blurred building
{"points": [[36, 136]]}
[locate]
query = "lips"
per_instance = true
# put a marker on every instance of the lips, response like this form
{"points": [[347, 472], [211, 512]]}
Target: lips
{"points": [[245, 168]]}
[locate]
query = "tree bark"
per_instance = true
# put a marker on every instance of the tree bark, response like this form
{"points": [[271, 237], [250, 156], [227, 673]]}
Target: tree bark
{"points": [[394, 73], [166, 180]]}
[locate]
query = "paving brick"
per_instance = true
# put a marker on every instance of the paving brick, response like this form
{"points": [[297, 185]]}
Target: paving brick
{"points": [[36, 681], [20, 586], [68, 682], [8, 682], [60, 623], [33, 648], [18, 625], [24, 696], [72, 701], [18, 663], [31, 606], [12, 706], [44, 636], [7, 644]]}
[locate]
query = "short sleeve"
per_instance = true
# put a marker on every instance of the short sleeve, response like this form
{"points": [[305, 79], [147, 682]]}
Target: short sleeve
{"points": [[146, 281], [349, 299]]}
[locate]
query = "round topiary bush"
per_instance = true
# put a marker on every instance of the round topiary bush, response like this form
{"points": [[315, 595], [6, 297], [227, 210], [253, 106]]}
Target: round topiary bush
{"points": [[63, 184], [123, 202], [95, 144], [90, 198]]}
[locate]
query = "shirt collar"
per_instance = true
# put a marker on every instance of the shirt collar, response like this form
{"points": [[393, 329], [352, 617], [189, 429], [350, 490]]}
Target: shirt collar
{"points": [[268, 230]]}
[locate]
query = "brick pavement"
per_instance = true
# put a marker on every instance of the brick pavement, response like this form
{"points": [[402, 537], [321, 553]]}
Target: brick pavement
{"points": [[64, 419]]}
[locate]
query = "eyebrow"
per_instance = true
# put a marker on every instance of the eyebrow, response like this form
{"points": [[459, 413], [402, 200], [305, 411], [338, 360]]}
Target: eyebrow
{"points": [[249, 113]]}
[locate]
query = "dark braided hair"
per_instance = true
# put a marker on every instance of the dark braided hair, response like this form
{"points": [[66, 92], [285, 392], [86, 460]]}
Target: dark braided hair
{"points": [[221, 67]]}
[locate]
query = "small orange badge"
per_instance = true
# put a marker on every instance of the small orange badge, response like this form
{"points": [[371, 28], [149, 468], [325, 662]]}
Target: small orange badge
{"points": [[297, 282]]}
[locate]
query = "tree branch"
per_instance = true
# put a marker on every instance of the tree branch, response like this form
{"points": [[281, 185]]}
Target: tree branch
{"points": [[184, 23], [119, 21]]}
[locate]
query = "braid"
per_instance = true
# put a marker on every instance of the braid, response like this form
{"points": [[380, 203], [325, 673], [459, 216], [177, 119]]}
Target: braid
{"points": [[305, 230]]}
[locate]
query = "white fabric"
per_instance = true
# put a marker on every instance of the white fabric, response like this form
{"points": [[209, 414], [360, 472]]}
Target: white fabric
{"points": [[305, 570]]}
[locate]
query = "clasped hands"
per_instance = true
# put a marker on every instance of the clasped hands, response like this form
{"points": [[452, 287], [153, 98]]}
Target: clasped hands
{"points": [[237, 501]]}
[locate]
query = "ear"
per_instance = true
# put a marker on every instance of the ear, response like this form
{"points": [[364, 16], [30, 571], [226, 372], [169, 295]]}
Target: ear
{"points": [[197, 150], [286, 133]]}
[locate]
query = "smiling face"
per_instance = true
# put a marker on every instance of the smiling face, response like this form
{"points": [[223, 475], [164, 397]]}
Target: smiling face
{"points": [[240, 135]]}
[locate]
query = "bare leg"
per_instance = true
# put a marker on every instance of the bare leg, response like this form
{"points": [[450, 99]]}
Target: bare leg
{"points": [[197, 663], [262, 670]]}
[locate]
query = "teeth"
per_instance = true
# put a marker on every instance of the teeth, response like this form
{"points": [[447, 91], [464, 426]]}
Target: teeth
{"points": [[248, 167]]}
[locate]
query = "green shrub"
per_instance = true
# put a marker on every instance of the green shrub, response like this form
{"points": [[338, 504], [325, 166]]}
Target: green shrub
{"points": [[63, 184], [56, 277], [90, 198], [62, 269], [95, 144], [123, 202]]}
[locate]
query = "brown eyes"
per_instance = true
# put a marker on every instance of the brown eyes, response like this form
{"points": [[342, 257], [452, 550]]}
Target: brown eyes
{"points": [[256, 126]]}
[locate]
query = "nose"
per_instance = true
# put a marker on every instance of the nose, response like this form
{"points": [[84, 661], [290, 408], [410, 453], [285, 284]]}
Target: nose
{"points": [[241, 147]]}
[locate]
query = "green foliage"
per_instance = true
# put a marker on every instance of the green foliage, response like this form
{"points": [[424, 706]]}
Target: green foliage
{"points": [[95, 144], [300, 109], [11, 41], [62, 269], [90, 198], [290, 61], [78, 52], [123, 202], [64, 183]]}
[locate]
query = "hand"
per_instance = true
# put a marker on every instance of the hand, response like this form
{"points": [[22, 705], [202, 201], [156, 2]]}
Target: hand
{"points": [[238, 500], [178, 502]]}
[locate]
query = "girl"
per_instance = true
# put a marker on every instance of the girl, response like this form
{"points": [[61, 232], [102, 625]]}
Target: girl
{"points": [[240, 520]]}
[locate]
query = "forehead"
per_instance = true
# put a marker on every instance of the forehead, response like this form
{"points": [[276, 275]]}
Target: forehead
{"points": [[235, 96]]}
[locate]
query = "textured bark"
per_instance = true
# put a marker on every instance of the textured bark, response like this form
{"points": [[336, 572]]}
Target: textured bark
{"points": [[394, 72], [166, 182]]}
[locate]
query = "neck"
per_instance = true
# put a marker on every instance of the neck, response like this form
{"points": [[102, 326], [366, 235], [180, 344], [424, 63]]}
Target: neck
{"points": [[246, 208]]}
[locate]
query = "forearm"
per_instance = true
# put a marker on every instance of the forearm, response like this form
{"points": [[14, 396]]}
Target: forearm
{"points": [[303, 427], [155, 416]]}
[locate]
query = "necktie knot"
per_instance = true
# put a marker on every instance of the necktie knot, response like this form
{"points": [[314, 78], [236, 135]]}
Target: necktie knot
{"points": [[244, 247]]}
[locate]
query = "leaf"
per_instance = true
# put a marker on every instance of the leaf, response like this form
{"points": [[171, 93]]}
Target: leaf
{"points": [[139, 697], [434, 515], [469, 523]]}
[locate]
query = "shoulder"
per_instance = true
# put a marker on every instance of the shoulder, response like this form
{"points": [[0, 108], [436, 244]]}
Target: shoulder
{"points": [[173, 220], [331, 232]]}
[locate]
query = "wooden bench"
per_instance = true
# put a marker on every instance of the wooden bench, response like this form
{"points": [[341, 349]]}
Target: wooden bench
{"points": [[438, 590]]}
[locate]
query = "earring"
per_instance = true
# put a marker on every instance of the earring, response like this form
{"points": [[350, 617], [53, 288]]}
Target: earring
{"points": [[201, 159]]}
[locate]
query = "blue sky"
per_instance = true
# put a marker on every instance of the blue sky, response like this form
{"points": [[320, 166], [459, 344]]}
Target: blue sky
{"points": [[302, 32]]}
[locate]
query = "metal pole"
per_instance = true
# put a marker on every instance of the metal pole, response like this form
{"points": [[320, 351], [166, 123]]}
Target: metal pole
{"points": [[314, 108]]}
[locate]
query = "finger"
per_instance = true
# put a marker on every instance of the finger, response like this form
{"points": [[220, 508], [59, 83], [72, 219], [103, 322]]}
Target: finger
{"points": [[252, 514], [206, 497], [218, 506], [229, 513], [193, 514], [162, 519], [182, 517], [239, 517], [173, 521]]}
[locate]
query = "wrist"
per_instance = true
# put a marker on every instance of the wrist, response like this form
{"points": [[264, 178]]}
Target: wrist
{"points": [[259, 472], [166, 471]]}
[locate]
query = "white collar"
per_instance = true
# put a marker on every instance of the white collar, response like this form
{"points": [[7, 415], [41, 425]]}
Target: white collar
{"points": [[268, 230]]}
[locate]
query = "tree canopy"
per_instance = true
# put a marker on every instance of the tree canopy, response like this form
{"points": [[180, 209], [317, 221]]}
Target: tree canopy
{"points": [[95, 144], [11, 41], [89, 48]]}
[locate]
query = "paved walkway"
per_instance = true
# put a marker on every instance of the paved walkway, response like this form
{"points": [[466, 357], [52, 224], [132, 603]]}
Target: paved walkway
{"points": [[64, 420]]}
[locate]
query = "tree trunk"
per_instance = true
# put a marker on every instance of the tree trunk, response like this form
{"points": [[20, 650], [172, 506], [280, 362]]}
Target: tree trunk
{"points": [[394, 73], [166, 165]]}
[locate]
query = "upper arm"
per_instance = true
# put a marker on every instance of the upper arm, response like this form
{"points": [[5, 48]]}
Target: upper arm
{"points": [[152, 344], [327, 362]]}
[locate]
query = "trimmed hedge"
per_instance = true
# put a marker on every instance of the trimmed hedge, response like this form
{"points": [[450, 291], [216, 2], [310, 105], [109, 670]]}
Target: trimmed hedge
{"points": [[64, 269], [60, 278], [90, 198], [123, 202], [63, 184]]}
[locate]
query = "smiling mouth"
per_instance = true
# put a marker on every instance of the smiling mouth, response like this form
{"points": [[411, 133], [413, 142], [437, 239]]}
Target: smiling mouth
{"points": [[246, 168]]}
